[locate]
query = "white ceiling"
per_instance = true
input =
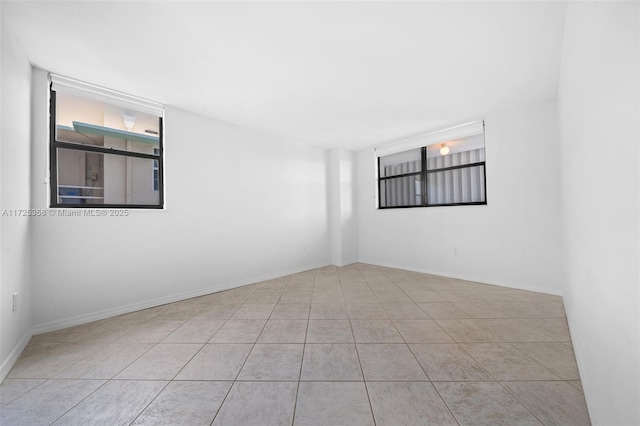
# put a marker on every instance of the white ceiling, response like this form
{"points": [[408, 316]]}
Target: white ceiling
{"points": [[330, 74]]}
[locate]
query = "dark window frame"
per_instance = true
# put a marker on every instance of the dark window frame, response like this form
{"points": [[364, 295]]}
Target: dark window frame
{"points": [[424, 177], [53, 164]]}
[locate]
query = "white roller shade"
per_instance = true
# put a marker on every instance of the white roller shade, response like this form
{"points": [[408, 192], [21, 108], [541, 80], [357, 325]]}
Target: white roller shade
{"points": [[440, 136], [86, 90]]}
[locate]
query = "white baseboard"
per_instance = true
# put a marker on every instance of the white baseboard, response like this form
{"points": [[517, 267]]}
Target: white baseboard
{"points": [[8, 363], [466, 278], [120, 310]]}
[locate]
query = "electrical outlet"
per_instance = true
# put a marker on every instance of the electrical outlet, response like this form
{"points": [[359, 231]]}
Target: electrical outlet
{"points": [[456, 251], [15, 302]]}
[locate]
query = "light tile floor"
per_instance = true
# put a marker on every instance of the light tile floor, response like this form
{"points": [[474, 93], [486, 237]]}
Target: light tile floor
{"points": [[356, 345]]}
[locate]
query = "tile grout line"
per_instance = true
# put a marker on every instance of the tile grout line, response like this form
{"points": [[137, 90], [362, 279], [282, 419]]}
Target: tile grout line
{"points": [[364, 379], [422, 367], [177, 373], [304, 348], [235, 380], [182, 368], [334, 271]]}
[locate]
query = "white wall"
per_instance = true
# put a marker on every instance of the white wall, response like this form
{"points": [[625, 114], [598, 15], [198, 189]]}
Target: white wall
{"points": [[598, 102], [15, 102], [344, 226], [513, 240], [241, 206]]}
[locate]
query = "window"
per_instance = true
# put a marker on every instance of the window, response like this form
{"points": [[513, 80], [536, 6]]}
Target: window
{"points": [[445, 169], [104, 146]]}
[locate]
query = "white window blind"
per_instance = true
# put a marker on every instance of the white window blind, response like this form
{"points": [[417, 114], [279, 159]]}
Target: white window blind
{"points": [[91, 91], [456, 132]]}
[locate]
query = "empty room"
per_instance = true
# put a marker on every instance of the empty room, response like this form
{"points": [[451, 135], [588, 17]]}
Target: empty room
{"points": [[320, 213]]}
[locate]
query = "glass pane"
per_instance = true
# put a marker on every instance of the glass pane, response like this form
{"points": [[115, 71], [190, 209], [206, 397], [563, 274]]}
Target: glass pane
{"points": [[457, 152], [403, 191], [401, 163], [95, 178], [464, 185], [89, 122]]}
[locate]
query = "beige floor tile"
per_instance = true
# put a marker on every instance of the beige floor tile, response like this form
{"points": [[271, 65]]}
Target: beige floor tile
{"points": [[458, 296], [329, 331], [554, 403], [130, 398], [216, 362], [467, 330], [422, 331], [66, 335], [331, 362], [328, 311], [239, 331], [162, 362], [229, 297], [217, 311], [268, 297], [187, 403], [152, 331], [366, 311], [408, 403], [107, 362], [12, 389], [506, 362], [46, 360], [556, 328], [273, 362], [254, 311], [360, 297], [412, 286], [484, 404], [389, 362], [480, 310], [330, 403], [425, 296], [327, 297], [179, 310], [194, 331], [388, 287], [284, 331], [397, 296], [514, 334], [532, 309], [296, 297], [404, 311], [47, 402], [448, 362], [376, 331], [576, 384], [557, 357], [291, 311], [515, 330], [258, 403], [143, 315], [109, 330], [443, 310]]}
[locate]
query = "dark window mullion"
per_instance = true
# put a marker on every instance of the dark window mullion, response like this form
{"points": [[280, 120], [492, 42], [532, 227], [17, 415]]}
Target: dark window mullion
{"points": [[425, 176], [53, 152], [401, 176], [160, 163], [102, 150], [461, 166]]}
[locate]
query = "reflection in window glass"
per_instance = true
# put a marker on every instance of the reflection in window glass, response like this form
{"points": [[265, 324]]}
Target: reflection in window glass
{"points": [[103, 150], [450, 172], [96, 178]]}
